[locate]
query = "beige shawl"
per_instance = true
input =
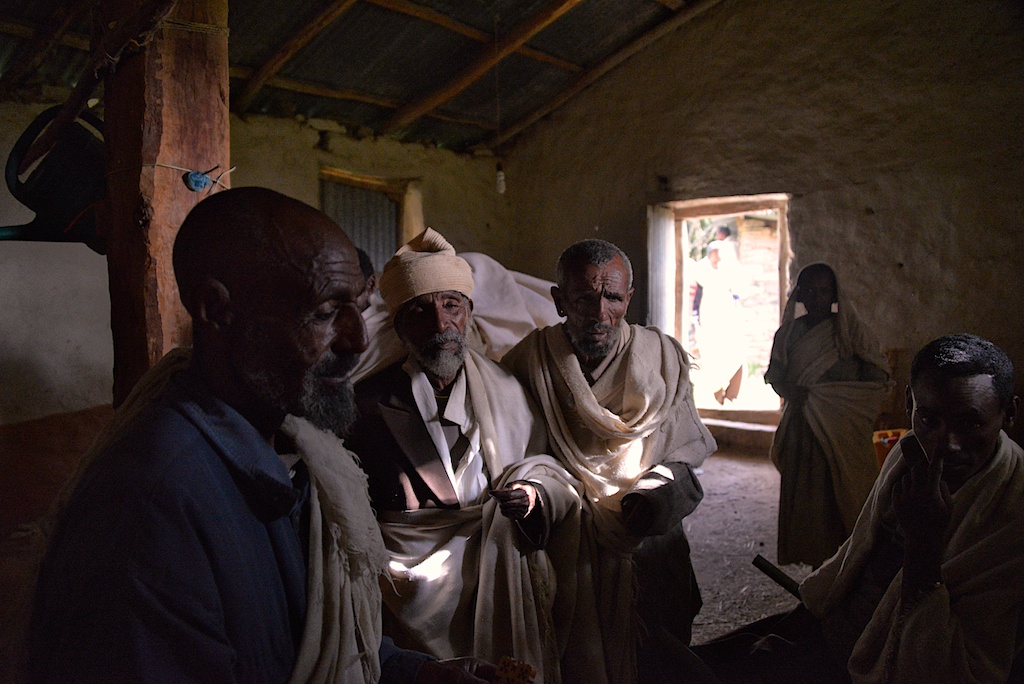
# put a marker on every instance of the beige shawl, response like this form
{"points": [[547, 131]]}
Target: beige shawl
{"points": [[840, 414], [465, 582], [638, 415], [964, 631], [342, 634]]}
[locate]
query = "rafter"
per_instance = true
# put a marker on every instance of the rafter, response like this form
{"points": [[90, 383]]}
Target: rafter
{"points": [[138, 28], [317, 90], [42, 43], [504, 47], [28, 31], [298, 41], [434, 17], [588, 77], [672, 4]]}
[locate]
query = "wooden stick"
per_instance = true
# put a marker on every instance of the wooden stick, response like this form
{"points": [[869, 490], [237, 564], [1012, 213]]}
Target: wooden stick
{"points": [[588, 77], [307, 33], [777, 576], [136, 29], [435, 17], [474, 71]]}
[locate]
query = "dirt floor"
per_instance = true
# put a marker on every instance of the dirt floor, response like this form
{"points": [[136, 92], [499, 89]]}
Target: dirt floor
{"points": [[736, 521]]}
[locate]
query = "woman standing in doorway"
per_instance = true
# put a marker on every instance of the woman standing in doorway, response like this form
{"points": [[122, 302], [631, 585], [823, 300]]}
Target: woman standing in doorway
{"points": [[831, 375]]}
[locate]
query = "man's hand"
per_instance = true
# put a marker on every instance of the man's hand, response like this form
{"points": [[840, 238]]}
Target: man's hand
{"points": [[921, 501], [456, 671], [517, 500], [637, 514]]}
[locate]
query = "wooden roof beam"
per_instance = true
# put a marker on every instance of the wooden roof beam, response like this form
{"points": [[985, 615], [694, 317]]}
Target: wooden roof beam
{"points": [[302, 38], [434, 17], [502, 48], [43, 41], [307, 88], [588, 77]]}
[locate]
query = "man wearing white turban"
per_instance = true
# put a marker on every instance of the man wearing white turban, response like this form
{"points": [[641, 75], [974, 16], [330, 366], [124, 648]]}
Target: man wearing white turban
{"points": [[465, 497]]}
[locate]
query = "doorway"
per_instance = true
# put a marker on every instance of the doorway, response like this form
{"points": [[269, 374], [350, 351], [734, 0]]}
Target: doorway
{"points": [[723, 292]]}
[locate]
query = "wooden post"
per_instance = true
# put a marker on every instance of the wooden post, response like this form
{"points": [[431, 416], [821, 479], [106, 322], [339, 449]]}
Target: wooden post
{"points": [[166, 105]]}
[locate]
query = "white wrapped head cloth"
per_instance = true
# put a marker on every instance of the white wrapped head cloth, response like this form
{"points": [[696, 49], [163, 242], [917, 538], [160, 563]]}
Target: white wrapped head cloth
{"points": [[426, 264]]}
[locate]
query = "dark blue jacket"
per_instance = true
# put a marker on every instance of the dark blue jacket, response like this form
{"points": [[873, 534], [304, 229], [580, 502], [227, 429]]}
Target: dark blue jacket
{"points": [[176, 560]]}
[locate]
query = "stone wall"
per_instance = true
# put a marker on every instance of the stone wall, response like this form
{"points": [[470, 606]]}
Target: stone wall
{"points": [[894, 126]]}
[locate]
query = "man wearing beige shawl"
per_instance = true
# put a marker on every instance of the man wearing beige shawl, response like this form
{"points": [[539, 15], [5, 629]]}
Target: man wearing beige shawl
{"points": [[465, 496], [178, 554], [928, 586], [619, 410], [830, 372]]}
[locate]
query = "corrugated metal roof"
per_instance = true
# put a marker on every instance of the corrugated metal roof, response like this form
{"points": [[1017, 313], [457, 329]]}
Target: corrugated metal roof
{"points": [[381, 56]]}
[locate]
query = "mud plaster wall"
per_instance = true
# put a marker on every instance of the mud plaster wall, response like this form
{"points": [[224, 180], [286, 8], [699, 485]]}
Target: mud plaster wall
{"points": [[896, 127], [56, 354], [55, 348], [459, 198]]}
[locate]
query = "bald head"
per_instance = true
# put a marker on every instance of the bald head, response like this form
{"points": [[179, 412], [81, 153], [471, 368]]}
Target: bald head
{"points": [[271, 285], [236, 236]]}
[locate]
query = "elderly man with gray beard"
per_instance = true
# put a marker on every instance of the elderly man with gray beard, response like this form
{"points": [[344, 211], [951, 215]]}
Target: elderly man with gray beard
{"points": [[466, 499]]}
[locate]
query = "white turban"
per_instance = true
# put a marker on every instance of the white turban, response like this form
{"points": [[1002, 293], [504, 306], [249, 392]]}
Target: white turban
{"points": [[426, 264]]}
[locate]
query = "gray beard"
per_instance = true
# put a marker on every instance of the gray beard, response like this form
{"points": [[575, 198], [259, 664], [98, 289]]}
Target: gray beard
{"points": [[440, 362], [593, 350], [328, 407]]}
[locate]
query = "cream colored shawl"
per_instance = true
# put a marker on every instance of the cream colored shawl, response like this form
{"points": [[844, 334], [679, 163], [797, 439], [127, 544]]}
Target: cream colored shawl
{"points": [[639, 414], [465, 582], [964, 631], [342, 635], [840, 414]]}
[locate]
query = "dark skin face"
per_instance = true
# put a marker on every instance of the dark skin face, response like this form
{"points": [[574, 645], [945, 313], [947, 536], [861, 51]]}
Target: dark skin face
{"points": [[957, 421], [593, 300], [271, 329], [956, 425], [427, 315], [817, 292]]}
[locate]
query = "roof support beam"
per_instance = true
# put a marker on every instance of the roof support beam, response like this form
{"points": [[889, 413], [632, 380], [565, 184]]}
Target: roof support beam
{"points": [[270, 68], [587, 78], [435, 17], [502, 48], [64, 17], [307, 88], [146, 128]]}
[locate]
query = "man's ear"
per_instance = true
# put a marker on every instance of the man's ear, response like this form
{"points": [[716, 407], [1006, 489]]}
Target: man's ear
{"points": [[371, 282], [629, 296], [1010, 415], [556, 295], [910, 404], [213, 304]]}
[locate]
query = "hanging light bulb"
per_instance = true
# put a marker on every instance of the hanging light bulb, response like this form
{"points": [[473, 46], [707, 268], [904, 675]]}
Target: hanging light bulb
{"points": [[499, 180]]}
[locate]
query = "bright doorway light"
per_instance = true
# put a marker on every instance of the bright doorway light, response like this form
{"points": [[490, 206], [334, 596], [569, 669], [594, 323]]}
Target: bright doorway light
{"points": [[722, 294]]}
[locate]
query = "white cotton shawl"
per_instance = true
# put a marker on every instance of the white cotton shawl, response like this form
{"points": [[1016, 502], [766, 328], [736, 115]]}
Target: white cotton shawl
{"points": [[841, 414], [638, 414], [964, 631], [464, 581], [650, 417]]}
